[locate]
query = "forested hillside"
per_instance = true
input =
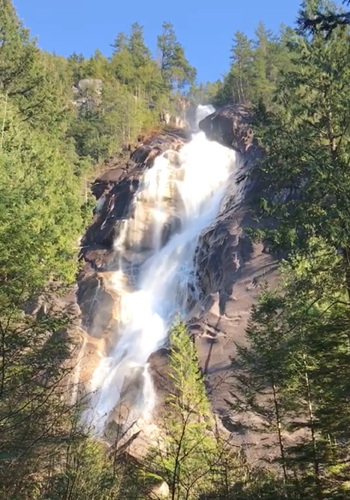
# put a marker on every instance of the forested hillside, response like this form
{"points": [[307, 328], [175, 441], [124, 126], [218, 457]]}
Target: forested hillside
{"points": [[62, 117]]}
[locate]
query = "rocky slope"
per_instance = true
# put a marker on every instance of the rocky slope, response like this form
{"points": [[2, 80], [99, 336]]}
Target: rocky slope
{"points": [[230, 269]]}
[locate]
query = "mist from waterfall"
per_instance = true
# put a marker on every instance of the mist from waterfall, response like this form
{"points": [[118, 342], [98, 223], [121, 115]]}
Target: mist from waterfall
{"points": [[177, 199]]}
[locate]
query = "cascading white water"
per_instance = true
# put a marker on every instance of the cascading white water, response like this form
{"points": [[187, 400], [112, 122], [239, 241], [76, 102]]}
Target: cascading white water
{"points": [[203, 111], [185, 187]]}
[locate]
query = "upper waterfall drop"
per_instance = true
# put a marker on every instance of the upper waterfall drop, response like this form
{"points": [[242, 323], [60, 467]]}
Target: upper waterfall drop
{"points": [[177, 199], [203, 111]]}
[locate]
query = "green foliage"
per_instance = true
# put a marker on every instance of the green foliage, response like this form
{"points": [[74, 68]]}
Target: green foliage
{"points": [[320, 16], [295, 372], [189, 392], [307, 137], [187, 455], [40, 207], [195, 458], [257, 67], [136, 91], [293, 376], [40, 222], [176, 70], [138, 50], [50, 133], [27, 76], [86, 472], [241, 71]]}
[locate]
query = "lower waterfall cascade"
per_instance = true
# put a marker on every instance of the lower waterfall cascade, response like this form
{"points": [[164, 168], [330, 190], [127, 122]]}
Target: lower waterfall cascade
{"points": [[178, 198]]}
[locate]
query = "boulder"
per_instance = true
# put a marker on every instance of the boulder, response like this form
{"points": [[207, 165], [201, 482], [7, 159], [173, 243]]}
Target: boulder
{"points": [[86, 84], [231, 126], [159, 491]]}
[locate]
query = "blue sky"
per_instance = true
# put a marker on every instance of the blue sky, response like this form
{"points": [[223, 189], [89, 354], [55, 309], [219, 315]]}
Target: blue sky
{"points": [[204, 27]]}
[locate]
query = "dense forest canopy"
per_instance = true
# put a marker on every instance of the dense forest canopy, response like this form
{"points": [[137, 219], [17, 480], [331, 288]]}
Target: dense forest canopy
{"points": [[60, 118]]}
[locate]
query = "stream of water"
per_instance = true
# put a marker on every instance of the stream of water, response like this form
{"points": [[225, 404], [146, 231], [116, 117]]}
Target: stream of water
{"points": [[177, 199]]}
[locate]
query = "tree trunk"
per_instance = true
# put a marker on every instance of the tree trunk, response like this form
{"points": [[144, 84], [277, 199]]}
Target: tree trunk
{"points": [[316, 463], [279, 432]]}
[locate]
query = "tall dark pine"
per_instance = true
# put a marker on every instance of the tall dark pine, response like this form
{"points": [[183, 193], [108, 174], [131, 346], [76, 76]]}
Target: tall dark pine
{"points": [[138, 49], [176, 70], [241, 67]]}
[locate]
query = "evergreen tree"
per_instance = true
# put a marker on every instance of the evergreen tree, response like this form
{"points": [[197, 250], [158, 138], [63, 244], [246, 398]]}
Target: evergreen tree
{"points": [[316, 15], [166, 43], [23, 76], [175, 68], [40, 222], [241, 68], [188, 454], [139, 51], [76, 66], [257, 67], [262, 61], [295, 373], [307, 137], [120, 43], [98, 66], [122, 66]]}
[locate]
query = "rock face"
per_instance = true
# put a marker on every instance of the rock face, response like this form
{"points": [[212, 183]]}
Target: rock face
{"points": [[230, 269], [88, 84], [231, 126], [87, 93]]}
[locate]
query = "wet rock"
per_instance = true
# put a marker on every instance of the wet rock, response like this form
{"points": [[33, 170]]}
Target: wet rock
{"points": [[131, 434], [118, 188], [231, 126], [141, 154], [96, 305], [100, 288]]}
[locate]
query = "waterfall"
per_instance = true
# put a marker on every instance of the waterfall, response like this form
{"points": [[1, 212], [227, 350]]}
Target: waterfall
{"points": [[177, 199], [203, 111]]}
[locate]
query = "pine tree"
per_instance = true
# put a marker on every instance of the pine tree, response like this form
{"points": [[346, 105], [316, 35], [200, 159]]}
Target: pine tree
{"points": [[307, 137], [316, 15], [120, 43], [139, 51], [188, 453], [166, 43], [294, 374], [241, 68], [98, 66], [259, 372], [24, 77], [176, 70], [261, 62], [40, 222], [76, 66]]}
